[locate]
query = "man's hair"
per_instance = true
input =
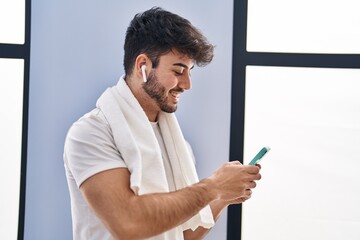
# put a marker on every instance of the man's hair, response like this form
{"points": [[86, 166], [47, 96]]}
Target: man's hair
{"points": [[156, 32]]}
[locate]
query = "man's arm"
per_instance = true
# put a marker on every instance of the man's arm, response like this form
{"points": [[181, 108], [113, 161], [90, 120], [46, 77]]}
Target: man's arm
{"points": [[128, 216]]}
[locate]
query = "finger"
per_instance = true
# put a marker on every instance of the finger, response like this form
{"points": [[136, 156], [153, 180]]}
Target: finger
{"points": [[254, 177], [251, 184], [258, 176], [241, 199], [236, 162], [252, 169], [247, 193]]}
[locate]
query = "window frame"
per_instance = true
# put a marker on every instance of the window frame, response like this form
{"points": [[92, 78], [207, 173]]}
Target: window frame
{"points": [[22, 51]]}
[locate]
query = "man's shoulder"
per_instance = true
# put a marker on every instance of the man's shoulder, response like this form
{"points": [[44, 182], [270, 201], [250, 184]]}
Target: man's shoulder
{"points": [[94, 117], [93, 121]]}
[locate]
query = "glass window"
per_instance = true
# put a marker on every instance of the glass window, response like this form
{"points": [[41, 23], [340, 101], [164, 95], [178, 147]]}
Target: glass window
{"points": [[310, 117], [306, 26], [12, 21], [11, 105]]}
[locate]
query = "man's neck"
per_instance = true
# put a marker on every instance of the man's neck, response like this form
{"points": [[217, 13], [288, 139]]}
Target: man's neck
{"points": [[146, 102]]}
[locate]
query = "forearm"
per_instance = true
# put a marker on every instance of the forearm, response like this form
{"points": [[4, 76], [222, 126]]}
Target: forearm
{"points": [[152, 214]]}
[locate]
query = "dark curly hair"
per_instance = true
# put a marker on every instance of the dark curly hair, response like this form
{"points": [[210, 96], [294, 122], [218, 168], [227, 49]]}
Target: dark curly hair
{"points": [[156, 32]]}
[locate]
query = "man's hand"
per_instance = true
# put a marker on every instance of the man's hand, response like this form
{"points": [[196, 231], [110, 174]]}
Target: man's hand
{"points": [[233, 182]]}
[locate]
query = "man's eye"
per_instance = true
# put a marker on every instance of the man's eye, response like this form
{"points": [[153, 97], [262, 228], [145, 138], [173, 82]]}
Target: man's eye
{"points": [[178, 73]]}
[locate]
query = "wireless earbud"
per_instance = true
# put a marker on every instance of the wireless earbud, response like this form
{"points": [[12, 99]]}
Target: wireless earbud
{"points": [[143, 68]]}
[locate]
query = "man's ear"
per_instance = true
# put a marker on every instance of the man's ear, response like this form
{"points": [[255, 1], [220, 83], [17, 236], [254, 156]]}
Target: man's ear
{"points": [[140, 61]]}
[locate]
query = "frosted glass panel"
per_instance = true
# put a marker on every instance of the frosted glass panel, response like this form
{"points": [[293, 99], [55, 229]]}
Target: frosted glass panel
{"points": [[310, 187], [11, 105], [12, 21], [306, 26]]}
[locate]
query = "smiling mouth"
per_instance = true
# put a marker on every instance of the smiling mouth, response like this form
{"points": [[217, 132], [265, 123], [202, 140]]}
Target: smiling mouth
{"points": [[176, 95]]}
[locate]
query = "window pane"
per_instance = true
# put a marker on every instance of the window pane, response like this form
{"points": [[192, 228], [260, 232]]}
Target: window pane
{"points": [[306, 26], [310, 117], [12, 21], [11, 105]]}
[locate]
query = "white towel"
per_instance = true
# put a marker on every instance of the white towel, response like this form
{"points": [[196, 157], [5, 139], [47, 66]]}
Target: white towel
{"points": [[136, 141]]}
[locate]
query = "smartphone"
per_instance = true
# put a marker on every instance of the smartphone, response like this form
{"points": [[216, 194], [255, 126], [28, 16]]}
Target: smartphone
{"points": [[259, 156]]}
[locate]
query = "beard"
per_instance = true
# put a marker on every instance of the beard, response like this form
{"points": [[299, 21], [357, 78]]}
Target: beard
{"points": [[157, 92]]}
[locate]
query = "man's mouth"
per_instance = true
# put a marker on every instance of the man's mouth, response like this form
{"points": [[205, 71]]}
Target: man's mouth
{"points": [[176, 94]]}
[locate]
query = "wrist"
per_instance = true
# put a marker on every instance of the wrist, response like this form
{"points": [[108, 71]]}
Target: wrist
{"points": [[209, 187]]}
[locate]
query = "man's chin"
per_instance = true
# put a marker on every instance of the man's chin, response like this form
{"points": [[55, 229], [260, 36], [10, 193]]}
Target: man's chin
{"points": [[169, 109]]}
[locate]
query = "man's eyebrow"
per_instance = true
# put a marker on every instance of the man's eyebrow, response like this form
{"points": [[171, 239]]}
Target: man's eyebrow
{"points": [[183, 65]]}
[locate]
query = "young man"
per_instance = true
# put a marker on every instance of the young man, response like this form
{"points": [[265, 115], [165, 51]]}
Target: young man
{"points": [[130, 172]]}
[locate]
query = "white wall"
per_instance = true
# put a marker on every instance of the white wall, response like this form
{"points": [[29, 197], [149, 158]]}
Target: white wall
{"points": [[76, 52]]}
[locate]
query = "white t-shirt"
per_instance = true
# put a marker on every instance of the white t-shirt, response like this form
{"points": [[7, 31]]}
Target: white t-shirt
{"points": [[90, 149]]}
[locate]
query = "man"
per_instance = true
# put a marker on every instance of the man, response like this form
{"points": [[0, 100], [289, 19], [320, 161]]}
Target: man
{"points": [[130, 172]]}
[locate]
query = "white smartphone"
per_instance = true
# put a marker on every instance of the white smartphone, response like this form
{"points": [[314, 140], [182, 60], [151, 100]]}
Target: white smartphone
{"points": [[259, 156]]}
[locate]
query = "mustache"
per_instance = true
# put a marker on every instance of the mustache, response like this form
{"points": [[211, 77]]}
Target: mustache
{"points": [[179, 90]]}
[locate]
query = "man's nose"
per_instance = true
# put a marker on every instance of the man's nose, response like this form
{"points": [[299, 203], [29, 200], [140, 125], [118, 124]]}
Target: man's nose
{"points": [[185, 82]]}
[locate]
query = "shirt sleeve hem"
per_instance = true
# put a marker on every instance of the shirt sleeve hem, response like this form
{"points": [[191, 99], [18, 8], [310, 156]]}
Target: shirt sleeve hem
{"points": [[92, 171]]}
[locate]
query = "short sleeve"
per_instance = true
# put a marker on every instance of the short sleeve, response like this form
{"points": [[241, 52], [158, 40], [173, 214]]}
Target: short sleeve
{"points": [[90, 147]]}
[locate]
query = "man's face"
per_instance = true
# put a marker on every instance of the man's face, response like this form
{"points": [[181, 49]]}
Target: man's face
{"points": [[169, 80]]}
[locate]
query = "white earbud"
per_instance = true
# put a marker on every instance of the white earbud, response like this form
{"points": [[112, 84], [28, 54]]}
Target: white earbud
{"points": [[143, 68]]}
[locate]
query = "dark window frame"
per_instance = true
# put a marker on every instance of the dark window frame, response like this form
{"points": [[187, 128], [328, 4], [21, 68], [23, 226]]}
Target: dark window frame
{"points": [[22, 51]]}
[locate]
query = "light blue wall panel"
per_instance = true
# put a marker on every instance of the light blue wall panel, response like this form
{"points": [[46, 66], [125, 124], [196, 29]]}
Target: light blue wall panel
{"points": [[76, 53]]}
